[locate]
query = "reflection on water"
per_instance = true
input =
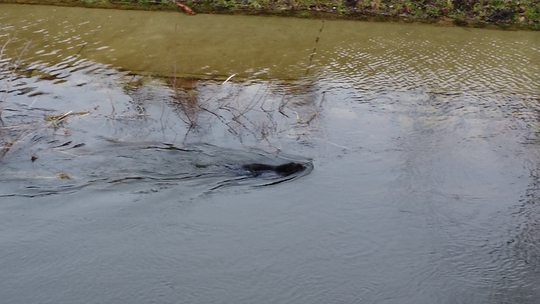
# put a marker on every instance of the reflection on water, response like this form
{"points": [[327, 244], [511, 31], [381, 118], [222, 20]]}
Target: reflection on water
{"points": [[372, 56], [424, 142], [447, 61]]}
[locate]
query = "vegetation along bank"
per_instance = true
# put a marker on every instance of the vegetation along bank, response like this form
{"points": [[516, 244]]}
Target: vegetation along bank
{"points": [[506, 14]]}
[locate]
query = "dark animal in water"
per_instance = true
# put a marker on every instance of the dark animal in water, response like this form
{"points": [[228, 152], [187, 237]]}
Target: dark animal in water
{"points": [[283, 170]]}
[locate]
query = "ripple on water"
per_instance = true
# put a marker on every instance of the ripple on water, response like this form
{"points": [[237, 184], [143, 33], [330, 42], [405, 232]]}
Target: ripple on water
{"points": [[43, 147], [478, 64], [416, 212], [67, 169]]}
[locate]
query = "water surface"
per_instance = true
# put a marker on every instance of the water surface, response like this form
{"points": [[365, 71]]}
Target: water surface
{"points": [[423, 140]]}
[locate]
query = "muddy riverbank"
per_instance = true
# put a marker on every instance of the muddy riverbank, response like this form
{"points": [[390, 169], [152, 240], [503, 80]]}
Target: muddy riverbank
{"points": [[474, 13]]}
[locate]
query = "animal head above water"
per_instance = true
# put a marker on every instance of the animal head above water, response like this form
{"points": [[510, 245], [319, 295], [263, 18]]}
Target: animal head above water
{"points": [[290, 168], [283, 170]]}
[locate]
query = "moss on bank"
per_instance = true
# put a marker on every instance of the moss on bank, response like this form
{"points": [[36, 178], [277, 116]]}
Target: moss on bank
{"points": [[508, 14]]}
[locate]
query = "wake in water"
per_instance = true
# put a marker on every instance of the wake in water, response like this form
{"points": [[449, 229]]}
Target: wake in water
{"points": [[69, 167]]}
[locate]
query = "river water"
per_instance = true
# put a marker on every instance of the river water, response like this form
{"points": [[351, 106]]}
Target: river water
{"points": [[123, 133]]}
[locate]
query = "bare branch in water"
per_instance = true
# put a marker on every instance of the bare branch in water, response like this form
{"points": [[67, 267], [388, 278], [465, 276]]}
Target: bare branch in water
{"points": [[11, 68]]}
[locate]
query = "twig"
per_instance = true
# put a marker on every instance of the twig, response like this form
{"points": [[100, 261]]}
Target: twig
{"points": [[226, 80], [16, 64], [314, 48], [185, 8]]}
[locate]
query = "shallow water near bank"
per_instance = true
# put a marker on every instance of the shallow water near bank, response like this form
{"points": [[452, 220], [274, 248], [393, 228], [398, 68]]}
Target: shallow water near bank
{"points": [[115, 186]]}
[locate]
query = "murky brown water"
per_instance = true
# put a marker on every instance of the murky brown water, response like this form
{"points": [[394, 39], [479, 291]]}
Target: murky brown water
{"points": [[423, 140]]}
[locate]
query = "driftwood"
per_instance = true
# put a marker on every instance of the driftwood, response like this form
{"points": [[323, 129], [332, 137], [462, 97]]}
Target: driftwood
{"points": [[185, 8]]}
